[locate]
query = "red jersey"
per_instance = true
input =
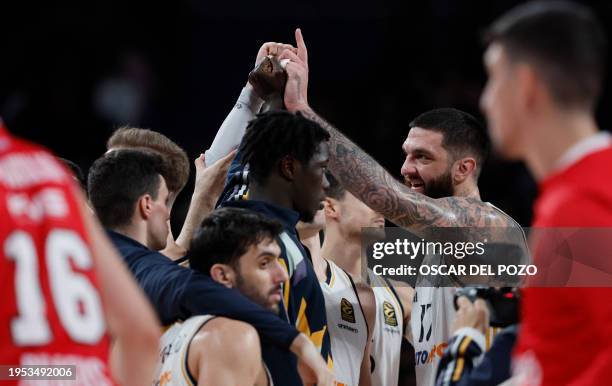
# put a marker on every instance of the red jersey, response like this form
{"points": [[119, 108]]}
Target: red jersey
{"points": [[566, 333], [51, 311]]}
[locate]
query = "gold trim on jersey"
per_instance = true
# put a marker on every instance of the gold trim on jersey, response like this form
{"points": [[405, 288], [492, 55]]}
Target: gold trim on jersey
{"points": [[460, 360], [286, 285], [184, 370]]}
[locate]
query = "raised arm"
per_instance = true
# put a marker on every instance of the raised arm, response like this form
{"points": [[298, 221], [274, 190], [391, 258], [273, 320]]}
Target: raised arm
{"points": [[363, 176], [209, 184], [255, 93]]}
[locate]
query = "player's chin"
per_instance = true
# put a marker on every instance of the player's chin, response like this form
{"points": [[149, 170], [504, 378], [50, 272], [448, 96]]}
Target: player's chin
{"points": [[308, 216]]}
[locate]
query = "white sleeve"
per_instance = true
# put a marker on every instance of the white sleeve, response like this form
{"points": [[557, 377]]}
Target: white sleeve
{"points": [[232, 129]]}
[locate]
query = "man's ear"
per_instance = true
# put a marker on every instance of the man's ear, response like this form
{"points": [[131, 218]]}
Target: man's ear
{"points": [[288, 167], [223, 274], [463, 169], [531, 89], [145, 205], [331, 208]]}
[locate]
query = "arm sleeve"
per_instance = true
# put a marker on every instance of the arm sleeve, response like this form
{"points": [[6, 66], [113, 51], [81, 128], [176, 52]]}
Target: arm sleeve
{"points": [[232, 129], [457, 367], [178, 293], [202, 295]]}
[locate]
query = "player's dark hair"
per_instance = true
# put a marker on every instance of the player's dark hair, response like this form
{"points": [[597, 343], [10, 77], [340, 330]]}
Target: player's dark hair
{"points": [[463, 135], [335, 189], [117, 180], [76, 170], [276, 134], [226, 234], [563, 41]]}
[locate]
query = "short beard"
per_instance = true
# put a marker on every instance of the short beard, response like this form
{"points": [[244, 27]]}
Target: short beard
{"points": [[440, 187], [253, 294]]}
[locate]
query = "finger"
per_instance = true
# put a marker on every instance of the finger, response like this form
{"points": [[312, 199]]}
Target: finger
{"points": [[274, 49], [225, 161], [268, 45], [294, 71], [281, 47], [200, 161], [301, 46], [287, 54], [263, 50]]}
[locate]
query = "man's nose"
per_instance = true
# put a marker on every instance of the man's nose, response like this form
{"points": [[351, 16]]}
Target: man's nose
{"points": [[325, 182], [408, 168], [280, 274]]}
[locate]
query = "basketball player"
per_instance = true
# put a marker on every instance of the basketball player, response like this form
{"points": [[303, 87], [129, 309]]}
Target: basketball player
{"points": [[350, 307], [238, 249], [287, 182], [444, 154], [546, 64], [208, 182], [62, 283], [130, 196], [237, 188], [345, 217]]}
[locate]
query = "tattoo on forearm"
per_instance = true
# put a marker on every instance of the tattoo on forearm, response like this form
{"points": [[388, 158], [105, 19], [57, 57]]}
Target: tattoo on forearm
{"points": [[366, 179]]}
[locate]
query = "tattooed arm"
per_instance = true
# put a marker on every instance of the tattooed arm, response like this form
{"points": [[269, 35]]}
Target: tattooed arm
{"points": [[360, 174], [365, 178]]}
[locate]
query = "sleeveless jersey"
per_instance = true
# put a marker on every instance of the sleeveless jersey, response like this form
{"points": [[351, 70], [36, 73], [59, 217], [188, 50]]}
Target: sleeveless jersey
{"points": [[51, 311], [388, 333], [348, 329], [172, 366], [432, 315]]}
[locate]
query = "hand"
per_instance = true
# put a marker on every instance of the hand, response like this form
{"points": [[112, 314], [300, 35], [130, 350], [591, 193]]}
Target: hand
{"points": [[475, 315], [210, 180], [272, 49], [268, 78], [296, 89], [209, 184], [311, 366]]}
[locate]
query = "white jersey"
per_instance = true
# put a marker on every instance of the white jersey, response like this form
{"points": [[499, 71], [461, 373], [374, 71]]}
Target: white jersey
{"points": [[172, 369], [388, 333], [432, 315], [348, 329]]}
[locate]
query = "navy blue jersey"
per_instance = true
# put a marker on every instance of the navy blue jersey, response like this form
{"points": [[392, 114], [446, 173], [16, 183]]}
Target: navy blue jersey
{"points": [[458, 364], [177, 293], [237, 182], [303, 301]]}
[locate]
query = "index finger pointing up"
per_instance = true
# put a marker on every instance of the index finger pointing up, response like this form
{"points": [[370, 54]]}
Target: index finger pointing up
{"points": [[302, 52]]}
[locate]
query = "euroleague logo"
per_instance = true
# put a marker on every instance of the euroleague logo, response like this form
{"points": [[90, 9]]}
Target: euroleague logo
{"points": [[346, 311], [389, 314]]}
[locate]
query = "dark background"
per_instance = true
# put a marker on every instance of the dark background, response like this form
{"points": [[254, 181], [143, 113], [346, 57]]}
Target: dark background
{"points": [[72, 72]]}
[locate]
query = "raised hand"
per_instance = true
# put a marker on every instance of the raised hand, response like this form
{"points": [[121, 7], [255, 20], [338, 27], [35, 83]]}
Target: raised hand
{"points": [[296, 89], [268, 78], [208, 187]]}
